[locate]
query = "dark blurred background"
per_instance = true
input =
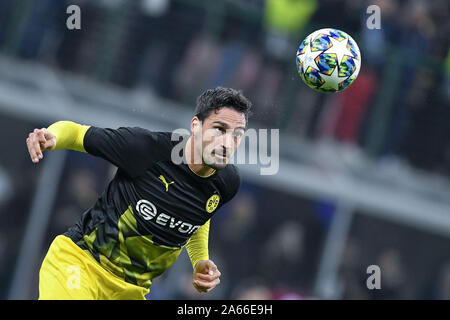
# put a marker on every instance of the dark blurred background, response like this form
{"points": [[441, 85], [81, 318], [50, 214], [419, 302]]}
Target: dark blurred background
{"points": [[363, 177]]}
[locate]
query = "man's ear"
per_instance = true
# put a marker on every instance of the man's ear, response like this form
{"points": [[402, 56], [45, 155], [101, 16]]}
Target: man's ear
{"points": [[195, 124]]}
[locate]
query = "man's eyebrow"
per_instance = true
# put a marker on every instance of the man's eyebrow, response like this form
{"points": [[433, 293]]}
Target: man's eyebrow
{"points": [[221, 123], [226, 125]]}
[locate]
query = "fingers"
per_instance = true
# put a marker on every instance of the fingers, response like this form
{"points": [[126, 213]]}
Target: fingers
{"points": [[208, 277], [35, 143], [47, 134], [210, 267], [32, 149], [204, 282], [197, 287], [205, 286]]}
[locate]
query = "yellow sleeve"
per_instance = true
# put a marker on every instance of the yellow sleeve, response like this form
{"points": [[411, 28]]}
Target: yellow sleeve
{"points": [[197, 245], [69, 135]]}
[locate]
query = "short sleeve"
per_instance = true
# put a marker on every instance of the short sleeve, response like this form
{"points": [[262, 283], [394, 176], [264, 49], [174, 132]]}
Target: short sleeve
{"points": [[132, 149]]}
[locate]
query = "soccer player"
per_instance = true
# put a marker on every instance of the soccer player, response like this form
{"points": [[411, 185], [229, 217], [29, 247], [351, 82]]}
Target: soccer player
{"points": [[154, 206]]}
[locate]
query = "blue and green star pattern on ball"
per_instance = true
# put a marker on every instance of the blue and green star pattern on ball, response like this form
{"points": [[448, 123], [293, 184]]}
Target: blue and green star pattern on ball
{"points": [[328, 60]]}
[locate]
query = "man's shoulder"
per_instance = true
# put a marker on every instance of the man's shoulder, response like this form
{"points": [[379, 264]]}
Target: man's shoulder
{"points": [[231, 180], [149, 145], [164, 135], [160, 139], [231, 171]]}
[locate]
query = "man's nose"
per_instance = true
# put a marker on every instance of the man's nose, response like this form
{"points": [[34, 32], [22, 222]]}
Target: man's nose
{"points": [[228, 142]]}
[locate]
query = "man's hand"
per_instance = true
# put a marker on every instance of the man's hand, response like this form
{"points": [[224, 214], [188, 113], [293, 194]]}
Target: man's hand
{"points": [[38, 141], [206, 276]]}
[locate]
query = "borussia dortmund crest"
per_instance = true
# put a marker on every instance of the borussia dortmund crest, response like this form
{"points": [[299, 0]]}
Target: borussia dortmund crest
{"points": [[212, 203]]}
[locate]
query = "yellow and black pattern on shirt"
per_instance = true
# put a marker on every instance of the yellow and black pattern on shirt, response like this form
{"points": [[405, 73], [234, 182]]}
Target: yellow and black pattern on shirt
{"points": [[130, 256]]}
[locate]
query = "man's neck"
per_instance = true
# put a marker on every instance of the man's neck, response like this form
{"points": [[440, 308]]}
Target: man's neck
{"points": [[199, 169]]}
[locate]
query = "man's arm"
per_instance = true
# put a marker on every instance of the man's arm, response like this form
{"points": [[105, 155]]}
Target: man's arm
{"points": [[69, 135], [197, 245], [60, 135], [206, 274], [132, 149]]}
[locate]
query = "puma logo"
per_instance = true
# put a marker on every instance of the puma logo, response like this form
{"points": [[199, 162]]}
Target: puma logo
{"points": [[161, 177]]}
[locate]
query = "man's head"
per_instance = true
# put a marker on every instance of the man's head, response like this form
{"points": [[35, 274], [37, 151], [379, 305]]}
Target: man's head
{"points": [[219, 124]]}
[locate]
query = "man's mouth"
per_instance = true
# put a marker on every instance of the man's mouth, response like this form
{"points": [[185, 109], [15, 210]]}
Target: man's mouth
{"points": [[220, 155]]}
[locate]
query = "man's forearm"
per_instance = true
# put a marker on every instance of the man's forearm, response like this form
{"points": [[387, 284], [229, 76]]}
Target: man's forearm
{"points": [[69, 135], [197, 246]]}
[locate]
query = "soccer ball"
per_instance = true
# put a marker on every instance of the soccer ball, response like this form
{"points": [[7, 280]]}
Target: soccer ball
{"points": [[328, 60]]}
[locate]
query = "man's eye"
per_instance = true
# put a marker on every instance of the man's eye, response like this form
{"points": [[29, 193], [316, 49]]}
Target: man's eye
{"points": [[219, 129], [238, 134]]}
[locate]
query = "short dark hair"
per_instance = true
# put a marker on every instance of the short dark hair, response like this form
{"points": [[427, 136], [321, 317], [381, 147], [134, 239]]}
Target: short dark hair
{"points": [[214, 99]]}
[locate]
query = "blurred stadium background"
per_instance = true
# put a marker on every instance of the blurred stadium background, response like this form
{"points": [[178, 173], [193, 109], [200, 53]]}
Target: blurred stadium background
{"points": [[364, 175]]}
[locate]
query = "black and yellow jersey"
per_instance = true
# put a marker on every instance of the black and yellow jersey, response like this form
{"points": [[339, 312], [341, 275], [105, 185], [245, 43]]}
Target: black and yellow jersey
{"points": [[151, 208]]}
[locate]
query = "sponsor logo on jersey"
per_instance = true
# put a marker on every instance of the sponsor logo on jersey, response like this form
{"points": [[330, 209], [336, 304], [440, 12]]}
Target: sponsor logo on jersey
{"points": [[148, 212]]}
